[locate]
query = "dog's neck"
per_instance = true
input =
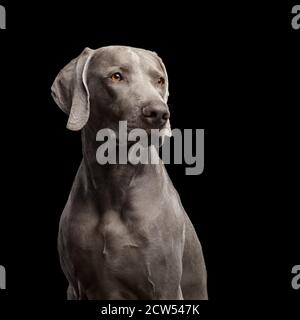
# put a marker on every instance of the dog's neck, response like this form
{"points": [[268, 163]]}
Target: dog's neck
{"points": [[112, 180]]}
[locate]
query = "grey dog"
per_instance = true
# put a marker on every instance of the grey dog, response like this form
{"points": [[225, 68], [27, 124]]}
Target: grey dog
{"points": [[123, 233]]}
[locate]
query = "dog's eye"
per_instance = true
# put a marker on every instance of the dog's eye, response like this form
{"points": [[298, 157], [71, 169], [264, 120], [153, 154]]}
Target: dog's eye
{"points": [[161, 81], [116, 76]]}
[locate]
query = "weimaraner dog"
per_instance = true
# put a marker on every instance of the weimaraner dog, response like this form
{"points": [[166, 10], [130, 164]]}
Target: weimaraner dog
{"points": [[123, 233]]}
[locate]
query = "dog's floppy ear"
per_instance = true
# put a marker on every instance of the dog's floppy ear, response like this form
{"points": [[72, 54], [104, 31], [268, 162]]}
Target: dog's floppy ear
{"points": [[70, 90]]}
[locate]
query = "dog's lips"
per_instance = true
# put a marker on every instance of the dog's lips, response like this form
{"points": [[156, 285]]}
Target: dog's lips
{"points": [[166, 132], [163, 132]]}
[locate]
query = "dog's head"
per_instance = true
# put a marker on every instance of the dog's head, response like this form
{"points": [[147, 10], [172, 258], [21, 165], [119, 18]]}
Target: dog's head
{"points": [[114, 83]]}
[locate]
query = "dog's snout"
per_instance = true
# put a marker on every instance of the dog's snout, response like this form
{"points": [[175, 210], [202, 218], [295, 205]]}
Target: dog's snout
{"points": [[156, 115]]}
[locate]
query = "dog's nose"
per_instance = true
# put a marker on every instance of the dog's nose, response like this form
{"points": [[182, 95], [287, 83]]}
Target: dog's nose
{"points": [[156, 115]]}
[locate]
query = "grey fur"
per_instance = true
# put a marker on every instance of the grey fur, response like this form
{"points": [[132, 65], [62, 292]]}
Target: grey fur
{"points": [[123, 233]]}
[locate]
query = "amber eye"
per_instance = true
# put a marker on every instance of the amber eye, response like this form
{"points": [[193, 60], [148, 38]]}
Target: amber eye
{"points": [[116, 76], [161, 81]]}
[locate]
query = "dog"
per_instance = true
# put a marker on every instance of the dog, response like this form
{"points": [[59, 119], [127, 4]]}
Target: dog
{"points": [[123, 233]]}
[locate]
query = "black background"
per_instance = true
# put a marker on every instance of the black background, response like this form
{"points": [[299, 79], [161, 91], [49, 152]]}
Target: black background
{"points": [[233, 71]]}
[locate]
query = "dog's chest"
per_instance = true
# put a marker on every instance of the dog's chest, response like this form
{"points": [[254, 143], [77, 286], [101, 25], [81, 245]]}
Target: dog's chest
{"points": [[138, 248], [141, 228], [144, 255]]}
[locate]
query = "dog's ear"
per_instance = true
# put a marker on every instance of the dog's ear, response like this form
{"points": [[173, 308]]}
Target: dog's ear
{"points": [[70, 90]]}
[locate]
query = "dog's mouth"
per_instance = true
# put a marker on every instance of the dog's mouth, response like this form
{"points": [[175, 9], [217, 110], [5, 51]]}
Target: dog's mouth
{"points": [[166, 131], [147, 136]]}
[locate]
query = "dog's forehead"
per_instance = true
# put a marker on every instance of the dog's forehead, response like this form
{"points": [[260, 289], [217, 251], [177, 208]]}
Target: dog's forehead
{"points": [[122, 55]]}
